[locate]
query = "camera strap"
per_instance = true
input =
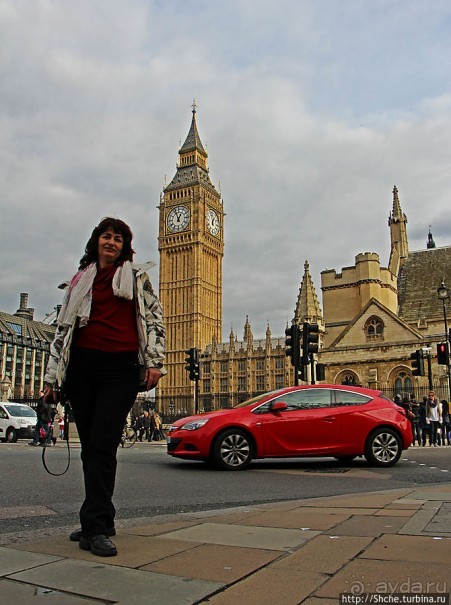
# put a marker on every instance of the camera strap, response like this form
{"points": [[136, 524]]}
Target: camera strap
{"points": [[64, 402]]}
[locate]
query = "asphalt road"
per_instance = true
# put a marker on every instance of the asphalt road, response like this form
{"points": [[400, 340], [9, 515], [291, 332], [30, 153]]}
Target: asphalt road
{"points": [[150, 483]]}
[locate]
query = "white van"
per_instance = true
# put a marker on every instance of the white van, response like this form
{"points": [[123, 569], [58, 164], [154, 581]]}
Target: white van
{"points": [[17, 421]]}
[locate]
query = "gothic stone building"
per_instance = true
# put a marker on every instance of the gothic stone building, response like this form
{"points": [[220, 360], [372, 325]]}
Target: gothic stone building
{"points": [[375, 317]]}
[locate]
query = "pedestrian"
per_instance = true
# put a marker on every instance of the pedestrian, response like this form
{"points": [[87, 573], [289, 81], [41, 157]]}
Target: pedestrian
{"points": [[433, 416], [110, 325], [61, 426], [416, 430], [423, 423], [397, 399], [446, 427], [145, 426], [42, 432], [156, 434]]}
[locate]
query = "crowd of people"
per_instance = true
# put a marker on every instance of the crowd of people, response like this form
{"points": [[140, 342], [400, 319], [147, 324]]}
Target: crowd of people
{"points": [[148, 426], [430, 418]]}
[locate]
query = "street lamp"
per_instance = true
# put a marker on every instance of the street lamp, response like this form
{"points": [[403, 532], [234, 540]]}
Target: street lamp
{"points": [[427, 354], [443, 295]]}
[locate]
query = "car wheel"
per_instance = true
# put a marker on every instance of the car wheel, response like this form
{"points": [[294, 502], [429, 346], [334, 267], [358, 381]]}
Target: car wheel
{"points": [[383, 447], [11, 435], [345, 459], [233, 450]]}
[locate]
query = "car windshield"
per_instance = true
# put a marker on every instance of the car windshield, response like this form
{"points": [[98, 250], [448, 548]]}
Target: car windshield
{"points": [[21, 411], [256, 399]]}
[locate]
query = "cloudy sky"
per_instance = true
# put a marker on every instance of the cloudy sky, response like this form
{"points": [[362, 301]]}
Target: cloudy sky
{"points": [[311, 111]]}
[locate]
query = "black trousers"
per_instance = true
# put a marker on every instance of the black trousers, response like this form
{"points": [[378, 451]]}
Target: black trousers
{"points": [[101, 388]]}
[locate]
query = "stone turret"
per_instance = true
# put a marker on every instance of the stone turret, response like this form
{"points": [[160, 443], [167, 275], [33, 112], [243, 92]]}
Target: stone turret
{"points": [[397, 221], [307, 306], [430, 243]]}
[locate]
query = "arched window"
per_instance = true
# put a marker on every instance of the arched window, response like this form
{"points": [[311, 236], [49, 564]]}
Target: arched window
{"points": [[403, 383], [348, 378], [374, 329]]}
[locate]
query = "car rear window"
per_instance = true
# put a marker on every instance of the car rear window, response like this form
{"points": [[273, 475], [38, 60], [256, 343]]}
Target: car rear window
{"points": [[344, 398]]}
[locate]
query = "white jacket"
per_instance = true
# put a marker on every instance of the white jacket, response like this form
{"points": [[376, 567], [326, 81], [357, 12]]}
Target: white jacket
{"points": [[149, 317]]}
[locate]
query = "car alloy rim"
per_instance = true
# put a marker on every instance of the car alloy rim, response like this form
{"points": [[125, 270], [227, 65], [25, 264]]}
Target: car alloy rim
{"points": [[385, 447], [235, 450]]}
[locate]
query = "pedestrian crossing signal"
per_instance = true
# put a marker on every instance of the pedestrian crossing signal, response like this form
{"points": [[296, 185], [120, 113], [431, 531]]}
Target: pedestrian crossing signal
{"points": [[442, 354]]}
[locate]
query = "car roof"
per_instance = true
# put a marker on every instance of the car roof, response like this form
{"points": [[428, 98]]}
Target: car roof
{"points": [[337, 387], [15, 404]]}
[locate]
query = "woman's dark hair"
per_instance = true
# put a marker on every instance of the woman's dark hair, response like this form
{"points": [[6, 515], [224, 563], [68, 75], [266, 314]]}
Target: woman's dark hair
{"points": [[117, 226]]}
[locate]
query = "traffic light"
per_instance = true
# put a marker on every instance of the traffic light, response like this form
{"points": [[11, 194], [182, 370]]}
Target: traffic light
{"points": [[442, 354], [302, 374], [293, 344], [193, 364], [310, 337], [417, 363], [320, 371]]}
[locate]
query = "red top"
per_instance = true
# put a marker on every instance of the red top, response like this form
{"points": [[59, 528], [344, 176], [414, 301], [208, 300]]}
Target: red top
{"points": [[112, 323]]}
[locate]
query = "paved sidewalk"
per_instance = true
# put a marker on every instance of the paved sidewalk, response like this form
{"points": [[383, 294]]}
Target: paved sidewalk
{"points": [[303, 551]]}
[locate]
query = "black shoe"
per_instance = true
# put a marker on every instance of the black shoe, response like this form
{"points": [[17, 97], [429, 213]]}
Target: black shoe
{"points": [[76, 534], [99, 545]]}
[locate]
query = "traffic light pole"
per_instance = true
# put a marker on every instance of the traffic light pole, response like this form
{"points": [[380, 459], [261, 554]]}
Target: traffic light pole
{"points": [[193, 366], [447, 347], [427, 352], [312, 369], [443, 294], [292, 349], [429, 371], [196, 396]]}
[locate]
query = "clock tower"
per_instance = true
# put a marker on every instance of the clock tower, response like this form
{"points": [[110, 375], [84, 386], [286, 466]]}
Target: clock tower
{"points": [[191, 245]]}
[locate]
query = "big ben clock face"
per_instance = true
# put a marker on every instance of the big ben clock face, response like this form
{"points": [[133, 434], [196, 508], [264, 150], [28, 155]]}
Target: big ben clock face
{"points": [[213, 225], [178, 219]]}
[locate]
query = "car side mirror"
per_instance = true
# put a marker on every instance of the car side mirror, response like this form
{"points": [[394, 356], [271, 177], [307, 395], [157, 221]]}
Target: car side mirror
{"points": [[278, 406]]}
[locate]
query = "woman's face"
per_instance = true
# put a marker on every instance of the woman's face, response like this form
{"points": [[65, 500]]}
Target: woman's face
{"points": [[109, 248]]}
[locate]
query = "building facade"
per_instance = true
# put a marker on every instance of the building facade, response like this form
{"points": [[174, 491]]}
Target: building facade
{"points": [[24, 351], [375, 317]]}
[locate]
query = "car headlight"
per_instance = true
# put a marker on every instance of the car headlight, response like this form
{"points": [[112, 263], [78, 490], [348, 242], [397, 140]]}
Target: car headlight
{"points": [[23, 421], [194, 424]]}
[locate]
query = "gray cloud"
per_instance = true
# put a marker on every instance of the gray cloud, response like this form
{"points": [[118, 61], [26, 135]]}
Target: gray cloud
{"points": [[311, 112]]}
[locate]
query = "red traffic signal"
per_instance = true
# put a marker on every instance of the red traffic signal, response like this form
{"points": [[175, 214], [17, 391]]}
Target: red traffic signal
{"points": [[442, 354]]}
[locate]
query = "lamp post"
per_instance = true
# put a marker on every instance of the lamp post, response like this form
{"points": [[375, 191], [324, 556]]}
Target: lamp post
{"points": [[443, 295], [427, 354]]}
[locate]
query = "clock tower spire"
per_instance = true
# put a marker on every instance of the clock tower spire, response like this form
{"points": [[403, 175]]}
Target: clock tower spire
{"points": [[191, 245]]}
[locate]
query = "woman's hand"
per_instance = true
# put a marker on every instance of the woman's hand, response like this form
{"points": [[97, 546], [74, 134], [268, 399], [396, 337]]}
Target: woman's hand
{"points": [[152, 377], [49, 394]]}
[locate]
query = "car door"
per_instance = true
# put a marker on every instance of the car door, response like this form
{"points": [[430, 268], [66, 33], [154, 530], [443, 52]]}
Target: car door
{"points": [[309, 424]]}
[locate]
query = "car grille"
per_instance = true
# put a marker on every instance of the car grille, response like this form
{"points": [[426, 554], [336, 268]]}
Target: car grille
{"points": [[173, 444]]}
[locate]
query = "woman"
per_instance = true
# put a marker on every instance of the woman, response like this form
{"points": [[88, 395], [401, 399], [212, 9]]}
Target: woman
{"points": [[433, 416], [109, 325]]}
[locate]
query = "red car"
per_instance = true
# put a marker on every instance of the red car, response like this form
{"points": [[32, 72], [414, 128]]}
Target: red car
{"points": [[318, 420]]}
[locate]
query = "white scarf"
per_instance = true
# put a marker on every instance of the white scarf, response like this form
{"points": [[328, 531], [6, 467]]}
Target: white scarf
{"points": [[77, 302]]}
